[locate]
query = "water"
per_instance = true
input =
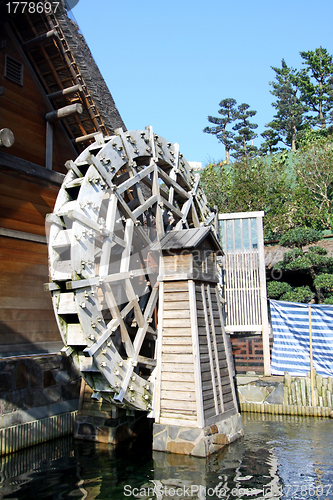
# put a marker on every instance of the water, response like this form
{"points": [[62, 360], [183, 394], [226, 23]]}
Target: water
{"points": [[279, 457]]}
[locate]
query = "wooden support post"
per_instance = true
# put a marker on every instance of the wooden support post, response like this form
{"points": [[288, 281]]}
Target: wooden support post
{"points": [[263, 298], [58, 114], [49, 145], [311, 360]]}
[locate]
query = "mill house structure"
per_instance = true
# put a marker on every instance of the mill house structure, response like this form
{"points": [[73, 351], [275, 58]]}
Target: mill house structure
{"points": [[53, 102]]}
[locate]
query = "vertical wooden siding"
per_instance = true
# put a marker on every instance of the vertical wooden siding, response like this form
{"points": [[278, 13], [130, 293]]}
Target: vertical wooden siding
{"points": [[217, 392], [178, 398]]}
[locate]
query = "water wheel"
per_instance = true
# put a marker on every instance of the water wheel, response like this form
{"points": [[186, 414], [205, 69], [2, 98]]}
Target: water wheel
{"points": [[119, 197]]}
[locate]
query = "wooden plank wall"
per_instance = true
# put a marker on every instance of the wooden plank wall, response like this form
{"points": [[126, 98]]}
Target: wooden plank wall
{"points": [[26, 313], [24, 202], [173, 265], [178, 398], [204, 264], [23, 111], [217, 392]]}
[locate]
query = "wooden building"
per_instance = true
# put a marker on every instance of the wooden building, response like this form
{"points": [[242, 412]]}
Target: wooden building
{"points": [[53, 102]]}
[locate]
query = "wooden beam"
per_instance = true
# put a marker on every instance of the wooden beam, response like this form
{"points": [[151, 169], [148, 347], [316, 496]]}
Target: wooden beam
{"points": [[263, 296], [58, 114], [39, 39], [29, 168], [210, 350], [196, 354], [6, 138], [20, 235], [216, 353], [241, 215], [87, 137], [49, 146], [66, 91]]}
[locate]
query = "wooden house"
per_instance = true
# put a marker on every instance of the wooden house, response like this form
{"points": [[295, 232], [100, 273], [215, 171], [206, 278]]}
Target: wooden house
{"points": [[53, 102]]}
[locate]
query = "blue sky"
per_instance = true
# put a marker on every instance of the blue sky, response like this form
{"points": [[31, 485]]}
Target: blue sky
{"points": [[169, 63]]}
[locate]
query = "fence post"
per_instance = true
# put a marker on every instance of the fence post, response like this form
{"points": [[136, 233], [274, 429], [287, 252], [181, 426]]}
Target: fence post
{"points": [[263, 297]]}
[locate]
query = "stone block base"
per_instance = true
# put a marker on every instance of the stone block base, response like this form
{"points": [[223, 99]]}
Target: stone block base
{"points": [[94, 429], [108, 430], [197, 442]]}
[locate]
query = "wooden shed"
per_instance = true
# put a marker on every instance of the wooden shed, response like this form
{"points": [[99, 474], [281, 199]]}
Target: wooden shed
{"points": [[194, 387]]}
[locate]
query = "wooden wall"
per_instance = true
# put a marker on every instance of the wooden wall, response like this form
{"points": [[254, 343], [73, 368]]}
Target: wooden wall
{"points": [[178, 398], [27, 320], [183, 389], [23, 110], [25, 201], [217, 392]]}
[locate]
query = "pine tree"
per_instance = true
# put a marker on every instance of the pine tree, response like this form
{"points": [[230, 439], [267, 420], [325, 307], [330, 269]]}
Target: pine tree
{"points": [[315, 83], [245, 131], [272, 138], [290, 110], [227, 110]]}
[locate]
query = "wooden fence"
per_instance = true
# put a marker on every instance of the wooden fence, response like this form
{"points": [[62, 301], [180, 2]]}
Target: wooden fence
{"points": [[248, 353]]}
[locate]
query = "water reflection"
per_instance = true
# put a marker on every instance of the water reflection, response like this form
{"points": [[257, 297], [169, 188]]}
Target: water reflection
{"points": [[279, 457]]}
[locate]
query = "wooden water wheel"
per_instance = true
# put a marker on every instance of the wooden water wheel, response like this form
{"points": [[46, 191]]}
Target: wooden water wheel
{"points": [[120, 196]]}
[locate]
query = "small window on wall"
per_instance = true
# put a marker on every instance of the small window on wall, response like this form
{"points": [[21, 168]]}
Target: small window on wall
{"points": [[13, 70]]}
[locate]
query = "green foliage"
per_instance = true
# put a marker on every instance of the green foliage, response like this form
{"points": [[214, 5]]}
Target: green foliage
{"points": [[216, 181], [314, 262], [245, 131], [308, 136], [235, 145], [298, 294], [262, 184], [315, 83], [227, 111], [289, 108], [299, 237], [275, 289], [324, 282], [328, 300], [272, 138], [293, 193], [280, 290], [314, 174]]}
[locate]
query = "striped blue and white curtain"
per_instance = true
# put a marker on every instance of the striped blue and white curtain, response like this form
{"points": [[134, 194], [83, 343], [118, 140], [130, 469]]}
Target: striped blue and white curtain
{"points": [[291, 346]]}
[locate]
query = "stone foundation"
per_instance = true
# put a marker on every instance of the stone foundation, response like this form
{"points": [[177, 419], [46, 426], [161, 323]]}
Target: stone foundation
{"points": [[197, 442], [104, 430], [103, 422]]}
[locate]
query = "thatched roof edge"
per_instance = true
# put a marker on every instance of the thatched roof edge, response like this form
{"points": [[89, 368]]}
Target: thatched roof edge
{"points": [[90, 72]]}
